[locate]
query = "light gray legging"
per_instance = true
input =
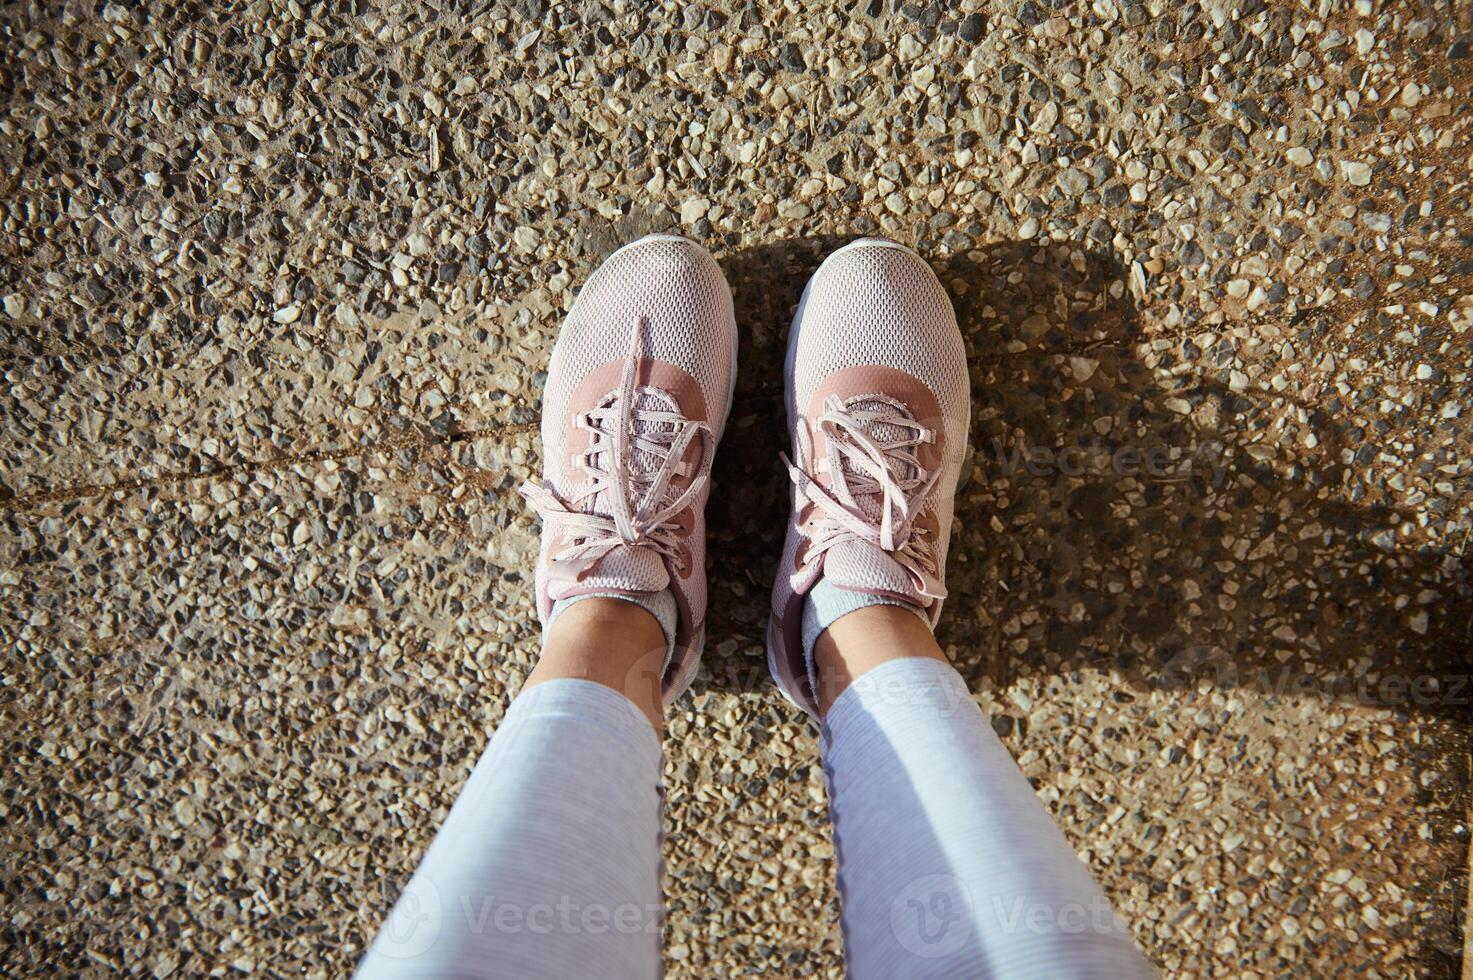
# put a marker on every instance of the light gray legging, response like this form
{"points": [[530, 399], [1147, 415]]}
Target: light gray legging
{"points": [[549, 863]]}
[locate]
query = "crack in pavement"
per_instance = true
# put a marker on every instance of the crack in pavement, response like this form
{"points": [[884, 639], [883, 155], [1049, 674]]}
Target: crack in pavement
{"points": [[23, 502]]}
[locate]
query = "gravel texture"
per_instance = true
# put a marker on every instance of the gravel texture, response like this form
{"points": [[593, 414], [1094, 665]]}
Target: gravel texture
{"points": [[279, 282]]}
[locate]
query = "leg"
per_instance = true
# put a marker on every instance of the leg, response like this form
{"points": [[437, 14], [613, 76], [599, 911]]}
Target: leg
{"points": [[549, 863], [578, 649], [949, 863]]}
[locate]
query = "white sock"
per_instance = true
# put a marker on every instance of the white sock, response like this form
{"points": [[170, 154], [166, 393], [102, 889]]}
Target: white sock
{"points": [[826, 603], [660, 605], [549, 863], [949, 864]]}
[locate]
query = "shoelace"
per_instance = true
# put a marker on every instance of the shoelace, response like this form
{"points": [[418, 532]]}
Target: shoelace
{"points": [[639, 515], [889, 469]]}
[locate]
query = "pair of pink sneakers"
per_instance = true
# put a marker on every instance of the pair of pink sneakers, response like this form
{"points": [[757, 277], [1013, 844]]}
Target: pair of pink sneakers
{"points": [[637, 396]]}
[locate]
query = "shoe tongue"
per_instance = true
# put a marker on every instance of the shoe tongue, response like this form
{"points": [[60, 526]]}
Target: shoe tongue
{"points": [[642, 463], [871, 504], [863, 567], [624, 569]]}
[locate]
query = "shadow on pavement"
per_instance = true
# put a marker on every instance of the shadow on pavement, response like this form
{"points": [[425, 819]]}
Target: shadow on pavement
{"points": [[1118, 514]]}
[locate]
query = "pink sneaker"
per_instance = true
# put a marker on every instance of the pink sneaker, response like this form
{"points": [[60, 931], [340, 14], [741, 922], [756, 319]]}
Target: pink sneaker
{"points": [[637, 395], [878, 403]]}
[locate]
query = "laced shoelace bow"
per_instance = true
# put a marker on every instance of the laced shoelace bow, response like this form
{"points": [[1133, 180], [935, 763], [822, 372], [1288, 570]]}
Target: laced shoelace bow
{"points": [[888, 469], [639, 513]]}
